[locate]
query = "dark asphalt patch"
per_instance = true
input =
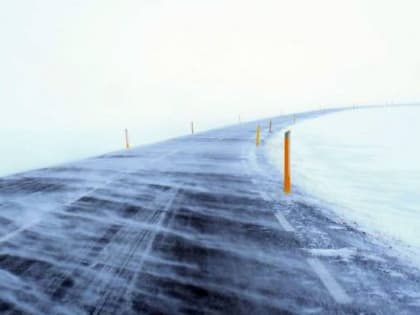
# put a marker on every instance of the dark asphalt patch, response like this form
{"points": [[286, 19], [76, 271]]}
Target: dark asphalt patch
{"points": [[34, 269], [26, 185]]}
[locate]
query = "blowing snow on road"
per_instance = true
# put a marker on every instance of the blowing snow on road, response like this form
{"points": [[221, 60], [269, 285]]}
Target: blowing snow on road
{"points": [[192, 225]]}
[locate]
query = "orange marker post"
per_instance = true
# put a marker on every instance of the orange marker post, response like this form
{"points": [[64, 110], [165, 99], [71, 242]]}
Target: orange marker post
{"points": [[287, 183], [127, 143], [257, 138]]}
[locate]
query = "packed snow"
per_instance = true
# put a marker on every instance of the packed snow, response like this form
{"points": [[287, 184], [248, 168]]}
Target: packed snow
{"points": [[364, 164]]}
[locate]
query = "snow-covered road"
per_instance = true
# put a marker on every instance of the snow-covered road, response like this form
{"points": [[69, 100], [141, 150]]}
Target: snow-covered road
{"points": [[194, 225]]}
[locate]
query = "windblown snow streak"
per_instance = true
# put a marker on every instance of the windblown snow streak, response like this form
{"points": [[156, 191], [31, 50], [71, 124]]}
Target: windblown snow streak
{"points": [[182, 227]]}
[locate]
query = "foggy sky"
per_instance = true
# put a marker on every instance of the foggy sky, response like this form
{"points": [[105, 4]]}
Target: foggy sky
{"points": [[155, 64]]}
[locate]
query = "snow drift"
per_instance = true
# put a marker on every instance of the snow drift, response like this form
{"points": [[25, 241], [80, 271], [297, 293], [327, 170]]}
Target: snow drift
{"points": [[364, 163]]}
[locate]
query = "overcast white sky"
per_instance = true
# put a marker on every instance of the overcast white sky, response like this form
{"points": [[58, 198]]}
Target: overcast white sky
{"points": [[157, 64]]}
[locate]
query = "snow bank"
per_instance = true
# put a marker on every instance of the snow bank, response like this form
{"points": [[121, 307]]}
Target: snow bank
{"points": [[365, 163]]}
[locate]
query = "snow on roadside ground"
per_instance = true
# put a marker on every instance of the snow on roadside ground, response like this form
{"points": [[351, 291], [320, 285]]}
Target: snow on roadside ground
{"points": [[365, 165], [25, 149]]}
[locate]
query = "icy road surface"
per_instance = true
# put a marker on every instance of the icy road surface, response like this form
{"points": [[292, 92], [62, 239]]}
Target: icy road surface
{"points": [[195, 225]]}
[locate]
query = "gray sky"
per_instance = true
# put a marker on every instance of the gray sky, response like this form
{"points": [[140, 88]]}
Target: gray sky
{"points": [[158, 64]]}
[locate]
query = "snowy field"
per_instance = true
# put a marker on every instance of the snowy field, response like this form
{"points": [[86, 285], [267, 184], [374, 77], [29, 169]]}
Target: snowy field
{"points": [[27, 149], [24, 150], [31, 147], [365, 165]]}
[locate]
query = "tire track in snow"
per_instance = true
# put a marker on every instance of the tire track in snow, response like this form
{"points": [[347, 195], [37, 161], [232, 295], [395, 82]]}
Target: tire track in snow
{"points": [[120, 175], [129, 236], [109, 302], [59, 279]]}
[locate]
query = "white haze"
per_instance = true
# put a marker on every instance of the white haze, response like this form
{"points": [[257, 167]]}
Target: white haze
{"points": [[75, 73]]}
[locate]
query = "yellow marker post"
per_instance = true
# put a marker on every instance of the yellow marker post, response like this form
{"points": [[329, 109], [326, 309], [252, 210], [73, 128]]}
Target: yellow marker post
{"points": [[127, 143], [257, 139], [269, 127], [287, 183], [192, 127]]}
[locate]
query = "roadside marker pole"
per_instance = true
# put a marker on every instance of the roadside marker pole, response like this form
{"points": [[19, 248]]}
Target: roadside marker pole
{"points": [[287, 184], [269, 128], [127, 143], [192, 127], [257, 138]]}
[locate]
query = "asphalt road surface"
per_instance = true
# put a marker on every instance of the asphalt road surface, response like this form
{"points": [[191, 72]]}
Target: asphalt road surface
{"points": [[194, 225]]}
